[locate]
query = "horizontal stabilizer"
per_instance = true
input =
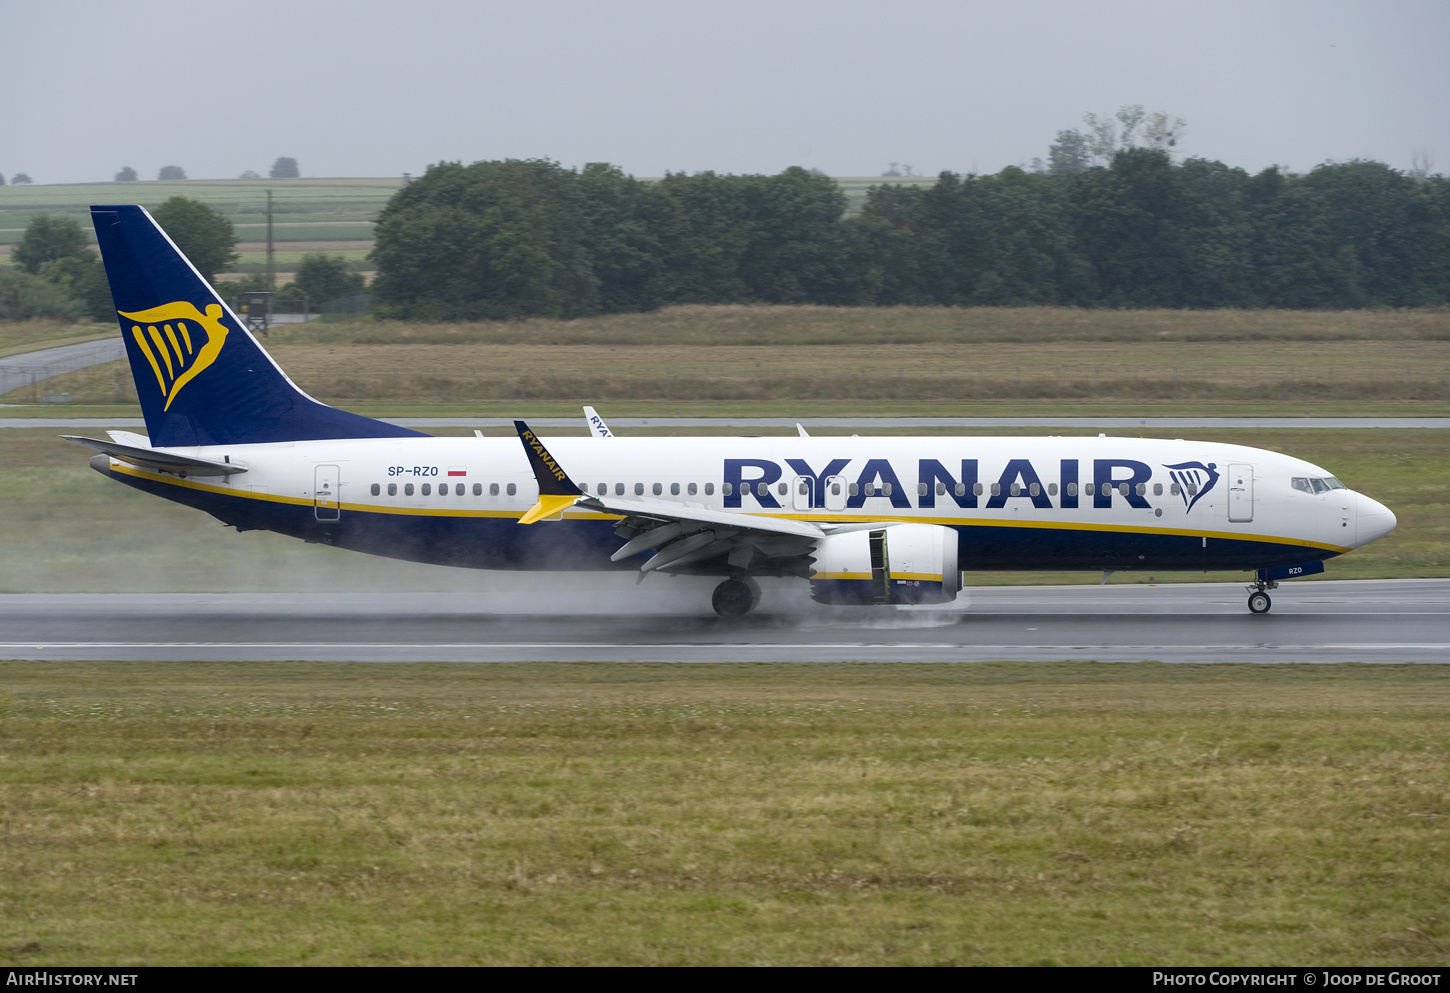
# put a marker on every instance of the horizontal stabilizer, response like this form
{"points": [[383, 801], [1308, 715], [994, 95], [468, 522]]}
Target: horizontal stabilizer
{"points": [[151, 458]]}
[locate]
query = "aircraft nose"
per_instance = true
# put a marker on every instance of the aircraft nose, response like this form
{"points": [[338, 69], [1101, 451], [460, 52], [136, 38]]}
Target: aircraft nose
{"points": [[1373, 520]]}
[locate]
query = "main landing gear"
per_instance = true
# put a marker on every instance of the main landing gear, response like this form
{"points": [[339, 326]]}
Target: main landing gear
{"points": [[735, 597], [1259, 602]]}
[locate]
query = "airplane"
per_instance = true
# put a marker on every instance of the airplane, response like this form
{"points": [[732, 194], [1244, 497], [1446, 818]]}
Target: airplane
{"points": [[874, 520]]}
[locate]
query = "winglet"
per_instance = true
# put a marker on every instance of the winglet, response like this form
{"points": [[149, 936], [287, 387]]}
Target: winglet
{"points": [[556, 490]]}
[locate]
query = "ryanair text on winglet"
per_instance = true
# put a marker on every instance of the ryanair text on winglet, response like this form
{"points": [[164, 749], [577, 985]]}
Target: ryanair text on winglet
{"points": [[543, 454]]}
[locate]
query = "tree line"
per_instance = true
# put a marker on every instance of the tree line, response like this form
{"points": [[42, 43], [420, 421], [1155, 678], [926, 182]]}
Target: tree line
{"points": [[519, 238]]}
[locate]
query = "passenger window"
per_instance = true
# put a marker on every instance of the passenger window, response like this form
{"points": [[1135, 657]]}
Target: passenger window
{"points": [[1072, 489], [1193, 489], [692, 489], [1142, 488], [639, 489], [853, 489], [427, 488], [885, 489], [442, 489], [602, 489], [835, 489], [761, 489], [376, 489], [783, 489], [657, 489], [977, 489], [804, 488], [1175, 489], [392, 489], [407, 489], [512, 489], [960, 489], [941, 488], [996, 489], [493, 489], [1052, 489], [458, 489], [1122, 489], [1016, 489], [674, 489], [619, 489], [1034, 489], [728, 488], [921, 489], [1157, 489], [710, 489], [478, 489], [1089, 489]]}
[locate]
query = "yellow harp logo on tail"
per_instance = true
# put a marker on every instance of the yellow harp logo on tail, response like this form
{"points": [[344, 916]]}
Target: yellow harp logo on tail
{"points": [[170, 340]]}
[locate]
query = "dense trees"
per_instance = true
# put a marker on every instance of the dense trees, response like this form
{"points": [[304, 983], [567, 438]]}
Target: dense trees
{"points": [[205, 236], [62, 277], [519, 238], [284, 168]]}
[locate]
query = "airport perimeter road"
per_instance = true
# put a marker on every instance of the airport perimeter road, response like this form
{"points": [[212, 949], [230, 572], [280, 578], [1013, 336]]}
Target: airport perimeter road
{"points": [[1371, 621], [32, 367]]}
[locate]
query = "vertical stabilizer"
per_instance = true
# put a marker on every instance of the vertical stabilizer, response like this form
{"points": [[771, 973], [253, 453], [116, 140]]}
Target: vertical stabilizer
{"points": [[201, 377]]}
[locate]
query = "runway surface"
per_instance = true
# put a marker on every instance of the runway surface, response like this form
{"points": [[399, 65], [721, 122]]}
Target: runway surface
{"points": [[32, 367], [608, 619], [900, 425]]}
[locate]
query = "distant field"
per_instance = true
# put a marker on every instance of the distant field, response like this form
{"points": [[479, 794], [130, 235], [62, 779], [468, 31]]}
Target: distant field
{"points": [[571, 814], [940, 358]]}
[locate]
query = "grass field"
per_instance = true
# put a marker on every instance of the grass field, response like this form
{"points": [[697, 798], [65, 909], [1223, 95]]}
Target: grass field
{"points": [[1072, 813], [853, 357], [65, 528]]}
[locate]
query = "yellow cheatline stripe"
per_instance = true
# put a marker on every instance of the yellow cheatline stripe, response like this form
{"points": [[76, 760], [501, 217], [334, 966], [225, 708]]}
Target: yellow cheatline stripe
{"points": [[361, 508], [1064, 526], [146, 350]]}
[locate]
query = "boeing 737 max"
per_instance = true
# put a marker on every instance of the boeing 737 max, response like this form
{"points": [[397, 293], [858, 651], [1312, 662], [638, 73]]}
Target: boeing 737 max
{"points": [[863, 520]]}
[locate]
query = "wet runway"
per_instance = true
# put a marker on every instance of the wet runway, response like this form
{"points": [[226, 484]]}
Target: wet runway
{"points": [[608, 619]]}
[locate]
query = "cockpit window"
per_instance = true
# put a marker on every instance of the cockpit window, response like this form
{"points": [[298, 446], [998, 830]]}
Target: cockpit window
{"points": [[1320, 486], [1309, 484], [1302, 484], [1334, 484]]}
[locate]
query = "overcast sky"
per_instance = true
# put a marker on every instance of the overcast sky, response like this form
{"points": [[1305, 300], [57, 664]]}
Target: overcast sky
{"points": [[366, 88]]}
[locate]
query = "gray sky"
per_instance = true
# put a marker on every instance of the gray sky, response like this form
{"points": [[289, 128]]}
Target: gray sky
{"points": [[367, 88]]}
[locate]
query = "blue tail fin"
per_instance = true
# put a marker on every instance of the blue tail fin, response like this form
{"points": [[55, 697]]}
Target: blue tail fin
{"points": [[201, 376]]}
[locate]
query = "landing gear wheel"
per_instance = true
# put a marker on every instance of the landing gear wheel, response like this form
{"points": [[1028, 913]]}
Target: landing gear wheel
{"points": [[1259, 602], [734, 598]]}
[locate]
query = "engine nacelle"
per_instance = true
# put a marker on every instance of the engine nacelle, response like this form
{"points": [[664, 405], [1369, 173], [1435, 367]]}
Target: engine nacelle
{"points": [[895, 563]]}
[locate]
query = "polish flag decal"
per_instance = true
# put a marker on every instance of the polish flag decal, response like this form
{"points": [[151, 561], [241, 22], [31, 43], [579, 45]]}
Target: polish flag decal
{"points": [[457, 470]]}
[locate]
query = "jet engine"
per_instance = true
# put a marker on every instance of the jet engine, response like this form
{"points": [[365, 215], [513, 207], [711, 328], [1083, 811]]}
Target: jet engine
{"points": [[895, 563]]}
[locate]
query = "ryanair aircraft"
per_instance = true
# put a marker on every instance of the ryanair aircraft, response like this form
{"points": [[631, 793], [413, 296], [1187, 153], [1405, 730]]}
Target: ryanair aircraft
{"points": [[862, 520]]}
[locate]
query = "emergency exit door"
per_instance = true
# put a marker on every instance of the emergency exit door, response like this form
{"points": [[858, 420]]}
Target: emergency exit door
{"points": [[1240, 493]]}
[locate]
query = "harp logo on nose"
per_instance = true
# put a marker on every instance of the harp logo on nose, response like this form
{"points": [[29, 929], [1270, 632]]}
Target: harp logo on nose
{"points": [[178, 341]]}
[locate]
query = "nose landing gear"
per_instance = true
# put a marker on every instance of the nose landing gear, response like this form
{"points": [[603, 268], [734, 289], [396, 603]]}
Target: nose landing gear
{"points": [[735, 597]]}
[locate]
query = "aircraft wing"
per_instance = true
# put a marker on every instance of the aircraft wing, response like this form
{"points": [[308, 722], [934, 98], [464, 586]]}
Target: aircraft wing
{"points": [[678, 534], [681, 535], [151, 458]]}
